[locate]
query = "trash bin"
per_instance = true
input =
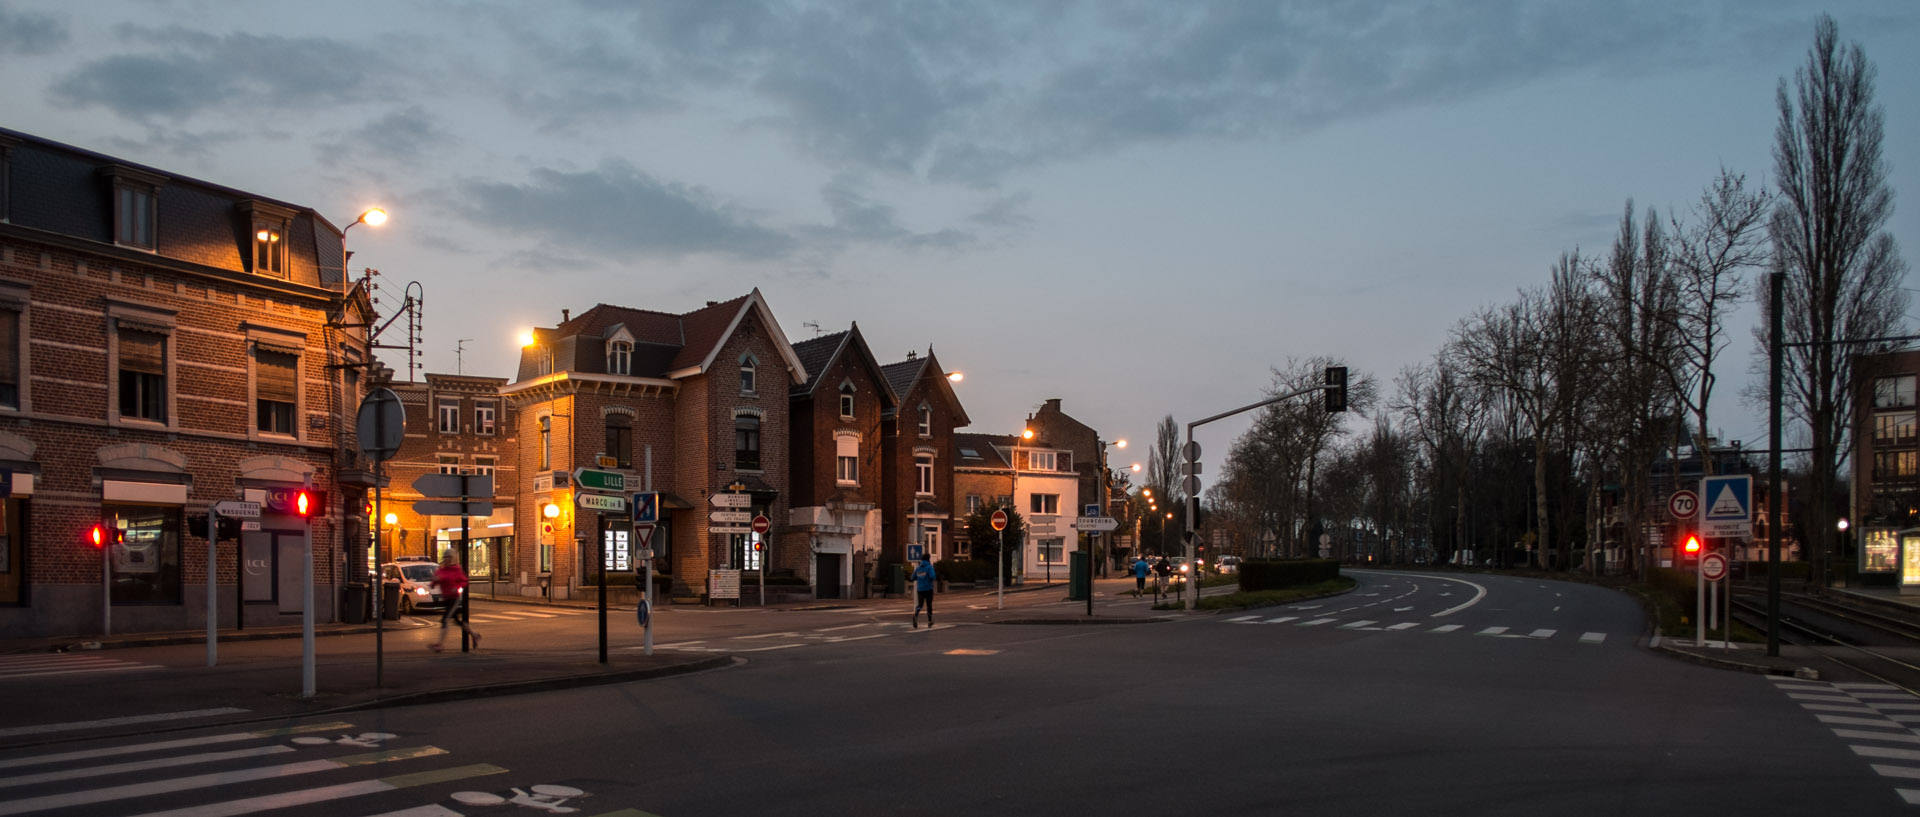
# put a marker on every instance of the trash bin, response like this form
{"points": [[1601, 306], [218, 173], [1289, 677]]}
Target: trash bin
{"points": [[1077, 570], [390, 601], [356, 603], [896, 579]]}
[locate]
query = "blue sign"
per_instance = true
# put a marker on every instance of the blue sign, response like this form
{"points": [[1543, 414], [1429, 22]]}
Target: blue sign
{"points": [[916, 553], [1726, 506], [646, 507], [1092, 510]]}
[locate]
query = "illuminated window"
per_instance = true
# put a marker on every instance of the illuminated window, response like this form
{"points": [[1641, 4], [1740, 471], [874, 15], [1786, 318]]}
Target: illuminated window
{"points": [[1893, 428]]}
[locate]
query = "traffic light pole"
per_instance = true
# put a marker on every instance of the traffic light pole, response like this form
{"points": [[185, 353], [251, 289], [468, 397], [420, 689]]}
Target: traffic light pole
{"points": [[1193, 462], [213, 613], [306, 605]]}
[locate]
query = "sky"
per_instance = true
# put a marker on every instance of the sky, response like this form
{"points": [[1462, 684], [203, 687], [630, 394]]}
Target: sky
{"points": [[1141, 208]]}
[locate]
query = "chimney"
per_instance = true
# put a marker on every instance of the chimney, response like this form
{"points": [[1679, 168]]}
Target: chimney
{"points": [[1053, 404], [713, 303], [912, 355], [565, 314]]}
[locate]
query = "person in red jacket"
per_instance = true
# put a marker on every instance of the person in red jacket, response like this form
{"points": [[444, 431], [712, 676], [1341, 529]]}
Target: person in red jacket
{"points": [[452, 580]]}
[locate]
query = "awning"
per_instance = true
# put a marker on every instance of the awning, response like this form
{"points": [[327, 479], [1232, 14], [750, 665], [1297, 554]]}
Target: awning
{"points": [[674, 502]]}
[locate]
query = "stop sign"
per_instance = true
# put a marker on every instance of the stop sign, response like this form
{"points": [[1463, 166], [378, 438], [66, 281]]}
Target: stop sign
{"points": [[999, 520], [762, 524]]}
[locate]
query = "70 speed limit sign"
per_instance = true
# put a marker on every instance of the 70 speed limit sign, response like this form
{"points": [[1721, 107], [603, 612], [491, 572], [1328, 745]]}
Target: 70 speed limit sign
{"points": [[1683, 504]]}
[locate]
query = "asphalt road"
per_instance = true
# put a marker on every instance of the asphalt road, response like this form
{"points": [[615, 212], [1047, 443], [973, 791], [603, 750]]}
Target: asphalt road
{"points": [[1486, 695]]}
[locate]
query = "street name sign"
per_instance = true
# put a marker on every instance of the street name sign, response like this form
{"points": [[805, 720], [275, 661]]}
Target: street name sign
{"points": [[724, 530], [730, 500], [593, 479], [235, 509], [731, 517], [452, 507], [600, 502], [1728, 511], [1096, 524]]}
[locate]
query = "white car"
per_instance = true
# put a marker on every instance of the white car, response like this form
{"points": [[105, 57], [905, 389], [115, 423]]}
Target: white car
{"points": [[414, 574]]}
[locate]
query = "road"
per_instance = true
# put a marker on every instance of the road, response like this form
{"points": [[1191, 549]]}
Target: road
{"points": [[1482, 695]]}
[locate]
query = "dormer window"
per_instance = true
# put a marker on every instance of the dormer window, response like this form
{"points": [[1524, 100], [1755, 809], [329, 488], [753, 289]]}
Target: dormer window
{"points": [[135, 196], [926, 421], [747, 366], [270, 226], [620, 357], [846, 400]]}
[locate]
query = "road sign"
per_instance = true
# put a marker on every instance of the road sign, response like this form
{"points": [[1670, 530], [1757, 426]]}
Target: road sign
{"points": [[592, 479], [1683, 504], [605, 461], [762, 524], [1729, 506], [740, 530], [643, 539], [1191, 485], [248, 525], [998, 520], [723, 584], [1091, 509], [380, 425], [235, 509], [454, 486], [731, 517], [1190, 451], [1713, 566], [730, 500], [916, 553], [600, 502], [453, 507], [1096, 524], [646, 508]]}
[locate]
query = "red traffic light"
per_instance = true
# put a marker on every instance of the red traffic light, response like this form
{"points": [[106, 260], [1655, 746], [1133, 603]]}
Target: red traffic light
{"points": [[1692, 546], [99, 536], [303, 504]]}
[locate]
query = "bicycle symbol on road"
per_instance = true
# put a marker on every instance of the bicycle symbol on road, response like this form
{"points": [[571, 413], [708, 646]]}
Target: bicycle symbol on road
{"points": [[545, 796]]}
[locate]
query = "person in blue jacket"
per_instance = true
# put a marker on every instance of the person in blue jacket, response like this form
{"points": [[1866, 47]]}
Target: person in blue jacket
{"points": [[1140, 568], [923, 578]]}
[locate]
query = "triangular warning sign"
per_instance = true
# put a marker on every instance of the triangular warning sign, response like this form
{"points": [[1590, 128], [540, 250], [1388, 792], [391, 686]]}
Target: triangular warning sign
{"points": [[644, 533], [1726, 504]]}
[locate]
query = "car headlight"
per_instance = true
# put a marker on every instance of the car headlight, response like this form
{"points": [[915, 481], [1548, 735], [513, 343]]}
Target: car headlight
{"points": [[1183, 568], [420, 591]]}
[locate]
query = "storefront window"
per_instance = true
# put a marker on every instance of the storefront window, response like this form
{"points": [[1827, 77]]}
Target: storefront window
{"points": [[1910, 558], [146, 567], [1880, 553], [617, 552]]}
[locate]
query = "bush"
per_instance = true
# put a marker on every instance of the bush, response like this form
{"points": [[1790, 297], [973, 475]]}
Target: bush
{"points": [[964, 570], [1268, 598], [1274, 574]]}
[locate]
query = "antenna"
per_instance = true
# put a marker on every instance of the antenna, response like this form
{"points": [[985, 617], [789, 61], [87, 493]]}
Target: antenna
{"points": [[459, 355], [814, 325]]}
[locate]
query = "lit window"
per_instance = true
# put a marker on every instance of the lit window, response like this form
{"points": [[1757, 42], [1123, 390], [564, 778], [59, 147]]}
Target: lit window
{"points": [[276, 391], [1893, 428], [270, 248], [484, 466], [1893, 464]]}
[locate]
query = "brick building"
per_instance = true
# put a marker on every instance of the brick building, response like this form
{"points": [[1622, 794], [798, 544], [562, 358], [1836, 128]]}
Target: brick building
{"points": [[684, 404], [982, 479], [1086, 458], [167, 343], [837, 477], [455, 425], [1886, 460], [917, 501]]}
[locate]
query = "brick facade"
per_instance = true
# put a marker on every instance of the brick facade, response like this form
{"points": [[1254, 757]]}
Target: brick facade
{"points": [[912, 516], [836, 522]]}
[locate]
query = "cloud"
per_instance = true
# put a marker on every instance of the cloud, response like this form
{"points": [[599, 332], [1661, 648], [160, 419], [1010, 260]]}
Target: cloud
{"points": [[399, 137], [859, 218], [183, 72], [30, 35], [616, 211]]}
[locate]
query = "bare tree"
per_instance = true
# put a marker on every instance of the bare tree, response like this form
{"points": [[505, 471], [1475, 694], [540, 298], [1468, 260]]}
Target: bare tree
{"points": [[1843, 271], [1721, 241], [1448, 416]]}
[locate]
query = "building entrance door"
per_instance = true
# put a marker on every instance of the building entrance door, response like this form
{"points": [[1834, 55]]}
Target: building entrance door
{"points": [[826, 572]]}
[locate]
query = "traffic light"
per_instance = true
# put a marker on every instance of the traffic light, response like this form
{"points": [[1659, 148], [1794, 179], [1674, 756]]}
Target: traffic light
{"points": [[98, 536], [1691, 547], [1193, 512], [102, 535], [308, 504], [1336, 388]]}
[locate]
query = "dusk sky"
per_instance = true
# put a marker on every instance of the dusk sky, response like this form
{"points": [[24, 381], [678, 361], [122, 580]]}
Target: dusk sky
{"points": [[1138, 207]]}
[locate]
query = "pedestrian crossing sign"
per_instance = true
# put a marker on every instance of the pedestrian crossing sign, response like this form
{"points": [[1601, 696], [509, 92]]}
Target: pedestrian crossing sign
{"points": [[1728, 506]]}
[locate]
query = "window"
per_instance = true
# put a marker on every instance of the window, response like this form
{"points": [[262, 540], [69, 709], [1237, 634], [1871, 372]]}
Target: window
{"points": [[620, 439], [10, 356], [146, 566], [546, 444], [1050, 550], [1003, 501], [143, 375], [846, 461], [483, 414], [923, 467], [926, 421], [483, 466], [620, 357], [1040, 460], [1893, 392], [1043, 503], [449, 416], [276, 390], [973, 504], [930, 537], [449, 463], [1893, 464], [1893, 428], [846, 400], [746, 375], [133, 216], [269, 248], [746, 442], [543, 360]]}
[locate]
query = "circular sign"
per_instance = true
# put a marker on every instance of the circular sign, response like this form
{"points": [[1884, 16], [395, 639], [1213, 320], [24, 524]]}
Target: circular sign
{"points": [[999, 520], [762, 524], [1713, 566], [380, 425], [1683, 504]]}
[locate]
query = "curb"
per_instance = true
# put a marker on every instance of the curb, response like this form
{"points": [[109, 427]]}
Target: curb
{"points": [[1802, 673], [1042, 621], [533, 685]]}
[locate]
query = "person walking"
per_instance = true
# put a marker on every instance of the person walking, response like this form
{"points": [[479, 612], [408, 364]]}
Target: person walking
{"points": [[1163, 570], [452, 581], [1140, 568], [923, 578]]}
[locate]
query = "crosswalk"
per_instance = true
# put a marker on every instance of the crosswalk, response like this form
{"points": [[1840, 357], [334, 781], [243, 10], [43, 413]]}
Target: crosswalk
{"points": [[767, 642], [334, 766], [42, 665], [1877, 721], [1539, 634], [496, 614]]}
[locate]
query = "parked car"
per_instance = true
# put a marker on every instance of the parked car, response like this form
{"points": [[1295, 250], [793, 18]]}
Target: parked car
{"points": [[414, 574], [1229, 564]]}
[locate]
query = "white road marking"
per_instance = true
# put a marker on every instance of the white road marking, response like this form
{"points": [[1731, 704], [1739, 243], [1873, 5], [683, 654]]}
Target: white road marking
{"points": [[1479, 593], [1243, 618], [1281, 620], [1355, 625], [434, 810], [1846, 721], [269, 802], [178, 784], [1862, 734], [131, 719], [1857, 710], [1882, 751], [168, 745], [1895, 707], [1861, 685], [1401, 609], [766, 635], [1808, 696], [1879, 696], [1542, 633], [1912, 796], [1306, 607], [1907, 772], [1445, 628], [143, 765], [1492, 631], [1405, 625], [1316, 622], [841, 627], [772, 647], [1593, 638]]}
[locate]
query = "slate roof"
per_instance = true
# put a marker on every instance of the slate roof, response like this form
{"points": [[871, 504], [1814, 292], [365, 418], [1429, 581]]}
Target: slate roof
{"points": [[815, 354], [901, 376], [988, 447], [664, 343]]}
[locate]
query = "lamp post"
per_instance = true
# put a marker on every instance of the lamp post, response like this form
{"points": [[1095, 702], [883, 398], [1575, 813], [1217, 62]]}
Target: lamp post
{"points": [[1013, 490]]}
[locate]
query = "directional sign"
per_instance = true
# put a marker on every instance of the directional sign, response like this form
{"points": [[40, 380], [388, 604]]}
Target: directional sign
{"points": [[1096, 524], [998, 520], [453, 507], [600, 502], [731, 517], [593, 479], [1729, 506], [730, 500], [1683, 504], [762, 524], [235, 509], [1713, 566], [740, 530], [453, 486]]}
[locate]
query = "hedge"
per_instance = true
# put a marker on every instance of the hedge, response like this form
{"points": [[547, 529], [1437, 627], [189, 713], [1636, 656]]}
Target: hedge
{"points": [[964, 570], [1273, 574]]}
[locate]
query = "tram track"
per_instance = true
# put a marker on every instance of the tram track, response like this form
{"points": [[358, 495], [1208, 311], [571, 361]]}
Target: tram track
{"points": [[1856, 641]]}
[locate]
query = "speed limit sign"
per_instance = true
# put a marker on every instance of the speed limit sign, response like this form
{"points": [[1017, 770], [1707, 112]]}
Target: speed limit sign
{"points": [[1683, 504]]}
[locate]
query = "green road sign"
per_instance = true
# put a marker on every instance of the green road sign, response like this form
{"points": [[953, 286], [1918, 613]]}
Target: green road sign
{"points": [[595, 480]]}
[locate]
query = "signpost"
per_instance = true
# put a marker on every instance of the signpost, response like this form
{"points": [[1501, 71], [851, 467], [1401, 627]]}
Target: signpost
{"points": [[643, 538], [593, 479], [1729, 506], [730, 501], [235, 509], [999, 522], [1683, 504], [379, 428], [731, 517], [598, 502]]}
